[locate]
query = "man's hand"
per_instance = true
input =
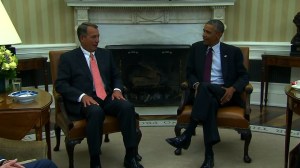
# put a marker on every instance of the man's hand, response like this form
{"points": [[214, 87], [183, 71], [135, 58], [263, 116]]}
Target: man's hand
{"points": [[228, 94], [117, 95], [88, 100], [11, 164]]}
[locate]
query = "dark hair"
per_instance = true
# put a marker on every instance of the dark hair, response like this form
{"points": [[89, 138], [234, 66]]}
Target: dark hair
{"points": [[82, 29], [217, 24]]}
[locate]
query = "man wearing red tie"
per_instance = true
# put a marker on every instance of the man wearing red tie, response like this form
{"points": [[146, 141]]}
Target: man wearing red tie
{"points": [[91, 87]]}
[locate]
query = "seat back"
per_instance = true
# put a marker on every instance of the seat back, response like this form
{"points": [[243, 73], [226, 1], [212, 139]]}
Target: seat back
{"points": [[245, 52], [54, 57]]}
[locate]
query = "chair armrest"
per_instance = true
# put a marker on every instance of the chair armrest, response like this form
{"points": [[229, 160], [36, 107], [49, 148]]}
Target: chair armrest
{"points": [[184, 97], [248, 91], [23, 150], [62, 118]]}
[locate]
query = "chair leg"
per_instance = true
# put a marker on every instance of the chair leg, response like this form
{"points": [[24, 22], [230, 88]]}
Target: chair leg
{"points": [[106, 138], [57, 131], [70, 145], [177, 130], [246, 135], [139, 137]]}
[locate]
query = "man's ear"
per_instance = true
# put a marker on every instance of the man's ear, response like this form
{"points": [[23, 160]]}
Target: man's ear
{"points": [[81, 38], [219, 34]]}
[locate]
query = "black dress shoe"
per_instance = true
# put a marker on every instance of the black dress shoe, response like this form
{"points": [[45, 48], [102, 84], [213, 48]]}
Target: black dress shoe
{"points": [[132, 163], [95, 162], [138, 157], [208, 162], [181, 141]]}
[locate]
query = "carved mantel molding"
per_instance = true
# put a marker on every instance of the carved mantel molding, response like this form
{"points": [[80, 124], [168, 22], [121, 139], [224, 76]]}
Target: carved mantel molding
{"points": [[148, 21], [148, 11]]}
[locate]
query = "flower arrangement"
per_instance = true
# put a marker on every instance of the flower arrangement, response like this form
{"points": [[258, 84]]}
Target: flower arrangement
{"points": [[8, 63]]}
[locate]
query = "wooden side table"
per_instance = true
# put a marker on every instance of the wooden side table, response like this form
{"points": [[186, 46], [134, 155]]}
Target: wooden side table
{"points": [[18, 119], [269, 60], [293, 106], [34, 64]]}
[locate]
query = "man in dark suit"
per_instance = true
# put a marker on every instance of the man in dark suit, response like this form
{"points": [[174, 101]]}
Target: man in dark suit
{"points": [[217, 82], [91, 87]]}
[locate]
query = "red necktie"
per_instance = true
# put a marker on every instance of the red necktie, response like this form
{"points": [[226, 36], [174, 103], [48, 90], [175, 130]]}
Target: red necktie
{"points": [[207, 68], [98, 83]]}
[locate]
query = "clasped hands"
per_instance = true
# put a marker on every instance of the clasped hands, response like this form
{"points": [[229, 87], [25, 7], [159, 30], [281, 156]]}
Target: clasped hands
{"points": [[88, 100], [225, 98], [11, 164]]}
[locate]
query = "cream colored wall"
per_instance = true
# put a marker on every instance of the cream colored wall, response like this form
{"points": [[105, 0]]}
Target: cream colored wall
{"points": [[261, 20], [42, 21], [52, 21]]}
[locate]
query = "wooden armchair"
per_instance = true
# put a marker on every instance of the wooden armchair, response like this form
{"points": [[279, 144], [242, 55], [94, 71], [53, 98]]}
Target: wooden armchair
{"points": [[229, 117], [74, 131]]}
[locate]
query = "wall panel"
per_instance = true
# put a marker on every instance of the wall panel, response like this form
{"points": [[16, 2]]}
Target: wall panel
{"points": [[42, 21], [261, 20], [52, 21]]}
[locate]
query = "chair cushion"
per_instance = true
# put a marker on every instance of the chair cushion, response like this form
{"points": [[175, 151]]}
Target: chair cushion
{"points": [[111, 125], [232, 117]]}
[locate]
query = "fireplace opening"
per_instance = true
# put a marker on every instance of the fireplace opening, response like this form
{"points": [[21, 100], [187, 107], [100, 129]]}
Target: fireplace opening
{"points": [[152, 73]]}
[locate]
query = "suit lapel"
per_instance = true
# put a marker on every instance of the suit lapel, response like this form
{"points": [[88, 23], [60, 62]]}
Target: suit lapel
{"points": [[224, 58], [83, 64], [201, 55]]}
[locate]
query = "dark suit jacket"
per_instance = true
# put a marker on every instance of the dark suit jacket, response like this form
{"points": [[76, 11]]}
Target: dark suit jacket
{"points": [[74, 78], [233, 70]]}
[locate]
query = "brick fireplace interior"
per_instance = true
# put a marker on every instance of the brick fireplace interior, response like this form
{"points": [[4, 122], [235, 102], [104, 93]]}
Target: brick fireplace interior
{"points": [[152, 73]]}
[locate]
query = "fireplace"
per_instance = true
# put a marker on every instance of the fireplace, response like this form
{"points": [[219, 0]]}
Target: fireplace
{"points": [[152, 73]]}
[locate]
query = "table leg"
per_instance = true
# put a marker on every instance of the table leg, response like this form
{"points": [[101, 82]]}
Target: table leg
{"points": [[266, 92], [39, 134], [261, 95], [262, 84], [289, 116]]}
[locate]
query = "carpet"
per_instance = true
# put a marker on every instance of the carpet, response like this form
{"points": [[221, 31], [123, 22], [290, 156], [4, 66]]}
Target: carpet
{"points": [[266, 150], [254, 128]]}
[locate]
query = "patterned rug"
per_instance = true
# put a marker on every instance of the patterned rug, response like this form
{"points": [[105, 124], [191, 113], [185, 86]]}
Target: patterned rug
{"points": [[172, 123], [255, 128]]}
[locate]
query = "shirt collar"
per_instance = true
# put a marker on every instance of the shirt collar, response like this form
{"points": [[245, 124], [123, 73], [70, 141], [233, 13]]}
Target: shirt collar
{"points": [[216, 47], [85, 52]]}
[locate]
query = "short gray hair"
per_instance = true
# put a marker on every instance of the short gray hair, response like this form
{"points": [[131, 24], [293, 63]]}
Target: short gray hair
{"points": [[82, 29], [217, 24]]}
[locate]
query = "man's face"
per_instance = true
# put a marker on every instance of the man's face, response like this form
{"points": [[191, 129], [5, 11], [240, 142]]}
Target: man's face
{"points": [[90, 41], [210, 35]]}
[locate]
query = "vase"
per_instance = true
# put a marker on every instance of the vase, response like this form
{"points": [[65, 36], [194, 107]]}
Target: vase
{"points": [[5, 84], [2, 84]]}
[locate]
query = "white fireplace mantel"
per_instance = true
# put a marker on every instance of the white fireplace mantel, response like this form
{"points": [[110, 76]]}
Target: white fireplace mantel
{"points": [[148, 3], [149, 21], [148, 11]]}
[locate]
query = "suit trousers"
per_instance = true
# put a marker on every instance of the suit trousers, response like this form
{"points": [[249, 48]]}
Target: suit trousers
{"points": [[95, 115], [205, 108], [44, 163]]}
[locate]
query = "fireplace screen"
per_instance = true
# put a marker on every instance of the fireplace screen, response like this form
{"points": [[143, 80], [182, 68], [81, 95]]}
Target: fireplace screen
{"points": [[152, 73]]}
